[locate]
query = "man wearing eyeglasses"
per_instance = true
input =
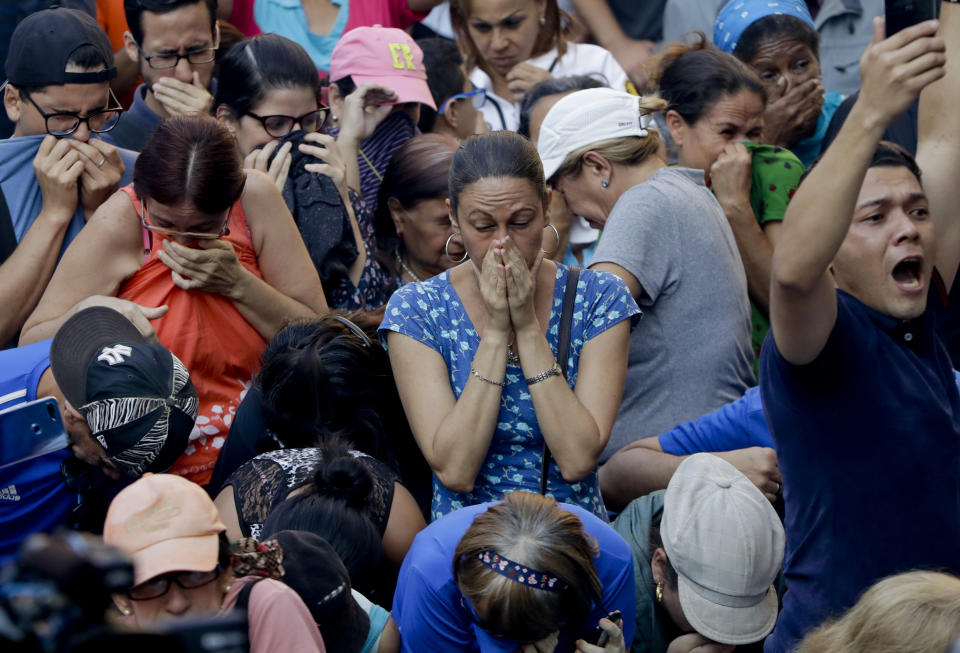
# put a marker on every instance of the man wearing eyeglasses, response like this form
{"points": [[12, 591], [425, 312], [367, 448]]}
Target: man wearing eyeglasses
{"points": [[55, 171], [175, 43]]}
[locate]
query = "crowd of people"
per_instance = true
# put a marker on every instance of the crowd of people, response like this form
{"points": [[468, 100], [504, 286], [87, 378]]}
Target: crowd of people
{"points": [[525, 326]]}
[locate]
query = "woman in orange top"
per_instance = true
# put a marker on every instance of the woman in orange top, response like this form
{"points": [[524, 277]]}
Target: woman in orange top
{"points": [[213, 243]]}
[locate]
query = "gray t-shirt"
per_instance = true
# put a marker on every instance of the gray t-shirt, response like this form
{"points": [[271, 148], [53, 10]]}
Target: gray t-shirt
{"points": [[691, 352]]}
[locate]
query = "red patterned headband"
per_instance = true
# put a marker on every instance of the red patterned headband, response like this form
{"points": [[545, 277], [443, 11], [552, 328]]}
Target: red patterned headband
{"points": [[520, 573]]}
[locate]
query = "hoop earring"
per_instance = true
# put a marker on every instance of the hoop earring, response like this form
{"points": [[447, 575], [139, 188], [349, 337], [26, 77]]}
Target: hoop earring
{"points": [[552, 251], [446, 250], [659, 592]]}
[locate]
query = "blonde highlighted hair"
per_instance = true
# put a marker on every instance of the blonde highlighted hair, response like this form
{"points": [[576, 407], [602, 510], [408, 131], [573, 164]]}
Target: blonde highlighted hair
{"points": [[913, 612], [627, 150]]}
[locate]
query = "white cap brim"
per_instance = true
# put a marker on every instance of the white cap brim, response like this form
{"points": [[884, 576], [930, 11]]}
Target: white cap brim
{"points": [[726, 624]]}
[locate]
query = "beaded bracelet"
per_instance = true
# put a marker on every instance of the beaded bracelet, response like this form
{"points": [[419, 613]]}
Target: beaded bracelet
{"points": [[543, 376], [477, 374]]}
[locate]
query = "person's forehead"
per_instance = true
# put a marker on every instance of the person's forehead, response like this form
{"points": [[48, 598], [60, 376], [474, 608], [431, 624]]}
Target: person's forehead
{"points": [[781, 45], [184, 25], [74, 98], [888, 183], [293, 101], [499, 194], [493, 11], [741, 106]]}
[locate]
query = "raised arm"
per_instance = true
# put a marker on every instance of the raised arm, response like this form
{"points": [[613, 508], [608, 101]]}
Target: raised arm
{"points": [[938, 147], [803, 303], [85, 271]]}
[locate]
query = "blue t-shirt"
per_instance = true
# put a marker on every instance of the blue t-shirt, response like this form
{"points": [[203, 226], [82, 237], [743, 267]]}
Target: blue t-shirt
{"points": [[431, 616], [287, 18], [22, 192], [431, 312], [33, 497], [868, 442], [737, 425]]}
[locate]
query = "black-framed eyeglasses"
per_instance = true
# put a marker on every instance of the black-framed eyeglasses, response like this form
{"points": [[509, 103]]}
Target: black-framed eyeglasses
{"points": [[160, 585], [279, 125], [477, 96], [197, 57], [64, 123]]}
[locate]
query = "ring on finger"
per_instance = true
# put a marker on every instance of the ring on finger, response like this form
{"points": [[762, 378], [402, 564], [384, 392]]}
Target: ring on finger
{"points": [[102, 161]]}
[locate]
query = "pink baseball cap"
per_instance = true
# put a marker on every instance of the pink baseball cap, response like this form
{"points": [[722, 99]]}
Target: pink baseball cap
{"points": [[164, 523], [383, 55]]}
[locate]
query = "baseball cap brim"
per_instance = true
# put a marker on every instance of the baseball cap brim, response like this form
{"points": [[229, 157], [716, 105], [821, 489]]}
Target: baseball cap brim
{"points": [[198, 553], [78, 339], [725, 624], [408, 89]]}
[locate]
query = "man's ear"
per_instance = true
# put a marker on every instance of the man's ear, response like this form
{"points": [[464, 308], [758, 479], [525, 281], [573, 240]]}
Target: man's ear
{"points": [[130, 47], [11, 102], [227, 119], [676, 125], [452, 115]]}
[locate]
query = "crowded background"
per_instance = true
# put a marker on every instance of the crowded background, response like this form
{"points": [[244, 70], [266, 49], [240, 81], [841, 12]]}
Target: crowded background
{"points": [[510, 326]]}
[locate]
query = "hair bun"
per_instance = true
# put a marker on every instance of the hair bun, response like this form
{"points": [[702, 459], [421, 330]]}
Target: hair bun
{"points": [[341, 475]]}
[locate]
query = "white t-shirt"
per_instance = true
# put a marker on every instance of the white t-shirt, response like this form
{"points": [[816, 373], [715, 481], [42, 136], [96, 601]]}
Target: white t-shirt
{"points": [[579, 59]]}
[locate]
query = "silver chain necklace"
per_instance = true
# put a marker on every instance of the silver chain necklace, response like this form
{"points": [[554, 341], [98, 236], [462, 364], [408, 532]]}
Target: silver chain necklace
{"points": [[396, 254]]}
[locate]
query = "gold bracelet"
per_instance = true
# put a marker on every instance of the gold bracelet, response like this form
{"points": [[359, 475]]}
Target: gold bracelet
{"points": [[477, 374], [543, 376]]}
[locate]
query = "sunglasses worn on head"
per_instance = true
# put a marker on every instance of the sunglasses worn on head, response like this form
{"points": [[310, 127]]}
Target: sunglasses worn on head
{"points": [[477, 96], [160, 585], [173, 233]]}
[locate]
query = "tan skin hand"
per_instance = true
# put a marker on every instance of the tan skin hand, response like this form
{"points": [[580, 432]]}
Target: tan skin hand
{"points": [[521, 284], [731, 177], [759, 464], [212, 266], [523, 76], [324, 147], [182, 99], [278, 169], [102, 170], [492, 281], [58, 167], [366, 108], [788, 115], [615, 642]]}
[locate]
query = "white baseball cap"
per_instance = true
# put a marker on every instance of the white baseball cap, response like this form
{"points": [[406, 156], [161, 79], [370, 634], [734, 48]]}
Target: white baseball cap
{"points": [[725, 542], [587, 117]]}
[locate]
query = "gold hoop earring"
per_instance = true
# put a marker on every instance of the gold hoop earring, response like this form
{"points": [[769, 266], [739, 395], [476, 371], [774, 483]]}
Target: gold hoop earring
{"points": [[446, 250], [552, 251], [659, 593]]}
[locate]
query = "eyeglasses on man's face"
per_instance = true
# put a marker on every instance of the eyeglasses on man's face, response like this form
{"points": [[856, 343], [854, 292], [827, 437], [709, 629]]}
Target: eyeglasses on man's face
{"points": [[173, 233], [160, 585], [64, 123], [279, 125], [168, 60], [477, 96]]}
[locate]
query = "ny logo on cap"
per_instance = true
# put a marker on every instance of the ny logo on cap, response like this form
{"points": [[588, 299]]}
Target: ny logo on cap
{"points": [[402, 56], [113, 355]]}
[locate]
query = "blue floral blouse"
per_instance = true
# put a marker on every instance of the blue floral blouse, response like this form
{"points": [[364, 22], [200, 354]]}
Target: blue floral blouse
{"points": [[431, 312]]}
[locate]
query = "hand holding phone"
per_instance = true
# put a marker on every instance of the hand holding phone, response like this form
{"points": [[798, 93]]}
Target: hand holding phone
{"points": [[604, 636]]}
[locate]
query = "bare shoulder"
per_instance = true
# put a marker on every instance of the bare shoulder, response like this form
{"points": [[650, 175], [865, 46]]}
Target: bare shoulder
{"points": [[116, 220]]}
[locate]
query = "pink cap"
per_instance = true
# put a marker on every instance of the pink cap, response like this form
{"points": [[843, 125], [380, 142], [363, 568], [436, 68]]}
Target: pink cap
{"points": [[164, 523], [383, 55]]}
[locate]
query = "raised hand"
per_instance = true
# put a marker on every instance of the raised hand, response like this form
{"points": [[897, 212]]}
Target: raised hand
{"points": [[364, 109], [491, 277], [894, 70], [789, 116], [521, 284], [522, 76], [102, 170], [331, 163], [278, 169], [212, 266], [58, 167], [731, 177], [182, 99]]}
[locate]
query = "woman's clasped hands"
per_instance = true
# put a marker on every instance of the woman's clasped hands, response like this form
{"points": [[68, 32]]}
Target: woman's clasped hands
{"points": [[508, 286]]}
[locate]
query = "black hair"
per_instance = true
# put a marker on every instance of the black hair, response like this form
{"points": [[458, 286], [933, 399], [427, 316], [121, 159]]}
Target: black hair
{"points": [[444, 65], [321, 380], [224, 555], [693, 76], [552, 86], [134, 12], [333, 508], [773, 26], [85, 57], [253, 68], [499, 154], [887, 155]]}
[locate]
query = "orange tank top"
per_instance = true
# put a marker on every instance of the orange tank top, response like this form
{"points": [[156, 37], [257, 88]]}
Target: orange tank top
{"points": [[206, 331]]}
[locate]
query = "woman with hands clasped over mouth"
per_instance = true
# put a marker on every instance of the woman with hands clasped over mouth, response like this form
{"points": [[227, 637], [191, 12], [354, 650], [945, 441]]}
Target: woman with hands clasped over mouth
{"points": [[474, 349]]}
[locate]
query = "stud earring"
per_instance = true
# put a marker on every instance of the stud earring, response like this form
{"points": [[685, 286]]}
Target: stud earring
{"points": [[126, 612], [604, 183], [227, 588], [659, 592], [543, 21]]}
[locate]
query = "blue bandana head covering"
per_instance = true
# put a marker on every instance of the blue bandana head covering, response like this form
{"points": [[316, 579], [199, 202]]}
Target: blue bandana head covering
{"points": [[737, 15]]}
